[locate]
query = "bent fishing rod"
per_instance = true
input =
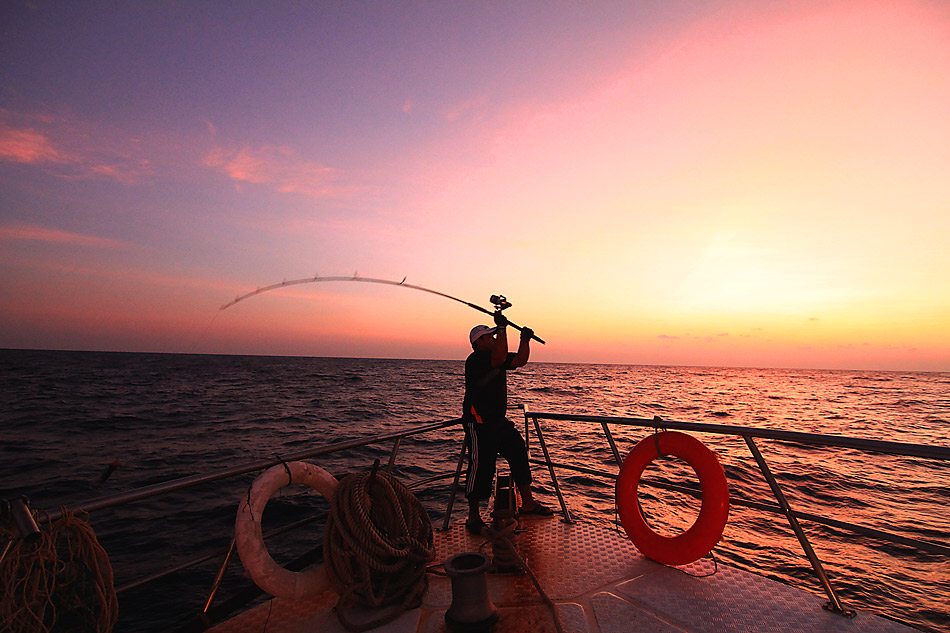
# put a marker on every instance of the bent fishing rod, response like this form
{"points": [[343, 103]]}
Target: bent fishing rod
{"points": [[499, 301]]}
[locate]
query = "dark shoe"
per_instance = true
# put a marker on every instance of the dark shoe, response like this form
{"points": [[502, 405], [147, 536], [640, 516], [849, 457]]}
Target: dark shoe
{"points": [[537, 510], [475, 527]]}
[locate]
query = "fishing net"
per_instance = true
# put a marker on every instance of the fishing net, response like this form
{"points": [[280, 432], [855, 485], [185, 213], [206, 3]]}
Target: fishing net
{"points": [[60, 582]]}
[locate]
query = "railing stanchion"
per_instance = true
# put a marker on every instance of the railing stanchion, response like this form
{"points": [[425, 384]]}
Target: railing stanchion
{"points": [[834, 604], [455, 487], [392, 455], [547, 459], [220, 576], [613, 444]]}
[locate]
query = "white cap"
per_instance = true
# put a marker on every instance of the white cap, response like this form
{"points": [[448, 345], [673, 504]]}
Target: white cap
{"points": [[479, 331]]}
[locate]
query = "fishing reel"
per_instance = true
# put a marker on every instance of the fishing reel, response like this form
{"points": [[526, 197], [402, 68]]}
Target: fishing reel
{"points": [[500, 302]]}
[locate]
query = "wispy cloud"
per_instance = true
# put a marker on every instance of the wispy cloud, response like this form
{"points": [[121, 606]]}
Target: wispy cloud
{"points": [[62, 148], [277, 167], [23, 232], [26, 146]]}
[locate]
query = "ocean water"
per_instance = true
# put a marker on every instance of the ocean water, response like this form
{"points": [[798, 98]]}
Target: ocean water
{"points": [[65, 416]]}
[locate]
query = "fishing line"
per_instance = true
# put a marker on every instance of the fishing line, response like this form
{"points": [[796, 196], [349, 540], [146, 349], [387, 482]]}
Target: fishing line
{"points": [[500, 305]]}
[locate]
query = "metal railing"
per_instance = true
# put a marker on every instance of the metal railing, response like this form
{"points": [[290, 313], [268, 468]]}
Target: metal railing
{"points": [[749, 435], [166, 487], [533, 422], [194, 480]]}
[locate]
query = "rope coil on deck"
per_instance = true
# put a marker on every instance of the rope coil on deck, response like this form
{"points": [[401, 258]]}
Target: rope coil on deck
{"points": [[501, 536], [377, 545], [60, 581]]}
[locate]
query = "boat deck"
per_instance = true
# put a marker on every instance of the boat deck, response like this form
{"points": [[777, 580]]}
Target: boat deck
{"points": [[600, 584]]}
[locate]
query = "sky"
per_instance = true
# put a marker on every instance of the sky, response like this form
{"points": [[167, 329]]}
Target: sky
{"points": [[718, 183]]}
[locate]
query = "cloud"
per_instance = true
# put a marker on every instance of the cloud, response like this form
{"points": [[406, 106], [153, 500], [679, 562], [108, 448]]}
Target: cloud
{"points": [[60, 147], [35, 233], [26, 146], [277, 167], [668, 336]]}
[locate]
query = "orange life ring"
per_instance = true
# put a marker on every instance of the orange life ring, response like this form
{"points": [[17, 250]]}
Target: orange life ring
{"points": [[263, 569], [700, 538]]}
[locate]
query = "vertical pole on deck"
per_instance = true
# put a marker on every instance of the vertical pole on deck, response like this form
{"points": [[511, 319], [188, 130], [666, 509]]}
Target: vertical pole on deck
{"points": [[455, 487], [392, 456], [547, 459], [834, 604], [613, 444], [219, 577]]}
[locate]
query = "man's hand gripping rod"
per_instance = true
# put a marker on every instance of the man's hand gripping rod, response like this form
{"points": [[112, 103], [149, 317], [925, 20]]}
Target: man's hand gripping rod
{"points": [[501, 303]]}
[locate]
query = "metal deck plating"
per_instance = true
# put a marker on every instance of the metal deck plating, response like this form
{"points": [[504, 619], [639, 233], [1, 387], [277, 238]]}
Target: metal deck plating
{"points": [[600, 584]]}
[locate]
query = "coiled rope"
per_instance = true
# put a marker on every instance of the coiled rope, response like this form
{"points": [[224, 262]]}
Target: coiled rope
{"points": [[501, 536], [62, 581], [377, 545]]}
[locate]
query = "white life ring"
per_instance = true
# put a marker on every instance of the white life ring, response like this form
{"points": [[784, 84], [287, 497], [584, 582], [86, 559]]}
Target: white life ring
{"points": [[264, 571]]}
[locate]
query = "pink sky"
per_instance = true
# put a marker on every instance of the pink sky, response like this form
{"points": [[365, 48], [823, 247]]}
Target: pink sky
{"points": [[748, 184]]}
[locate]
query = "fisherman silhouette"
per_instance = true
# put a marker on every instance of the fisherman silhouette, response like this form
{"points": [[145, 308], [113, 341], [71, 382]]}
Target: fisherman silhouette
{"points": [[489, 432]]}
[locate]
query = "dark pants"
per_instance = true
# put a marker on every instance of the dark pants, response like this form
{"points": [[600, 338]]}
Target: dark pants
{"points": [[486, 441]]}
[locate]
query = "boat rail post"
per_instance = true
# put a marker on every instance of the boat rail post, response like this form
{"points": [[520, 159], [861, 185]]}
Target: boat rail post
{"points": [[613, 444], [392, 456], [547, 460], [527, 431], [455, 488], [834, 603], [219, 578]]}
